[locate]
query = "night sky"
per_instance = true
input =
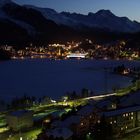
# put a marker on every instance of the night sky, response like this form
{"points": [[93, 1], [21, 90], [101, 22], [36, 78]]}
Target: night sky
{"points": [[129, 8]]}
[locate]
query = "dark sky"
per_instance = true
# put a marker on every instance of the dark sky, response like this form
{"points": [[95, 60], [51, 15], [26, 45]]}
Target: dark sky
{"points": [[129, 8]]}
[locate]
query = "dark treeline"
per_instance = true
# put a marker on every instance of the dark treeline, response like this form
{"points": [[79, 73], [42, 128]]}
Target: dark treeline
{"points": [[4, 55], [84, 93]]}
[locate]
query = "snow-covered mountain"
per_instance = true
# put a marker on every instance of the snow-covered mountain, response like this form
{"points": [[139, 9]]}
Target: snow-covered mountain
{"points": [[102, 19], [24, 23], [21, 24], [5, 16], [54, 16]]}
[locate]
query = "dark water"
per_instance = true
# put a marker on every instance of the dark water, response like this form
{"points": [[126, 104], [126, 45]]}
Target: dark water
{"points": [[40, 77]]}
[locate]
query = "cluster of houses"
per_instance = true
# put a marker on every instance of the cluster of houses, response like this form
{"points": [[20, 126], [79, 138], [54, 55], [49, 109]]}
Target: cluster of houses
{"points": [[122, 116], [121, 113]]}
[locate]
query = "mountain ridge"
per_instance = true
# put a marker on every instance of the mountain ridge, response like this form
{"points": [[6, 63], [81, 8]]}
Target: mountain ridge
{"points": [[101, 19], [29, 23]]}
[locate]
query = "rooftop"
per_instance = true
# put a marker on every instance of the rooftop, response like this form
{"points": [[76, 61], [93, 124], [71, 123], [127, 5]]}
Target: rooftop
{"points": [[57, 114], [131, 100], [19, 113], [67, 122], [121, 111], [85, 111]]}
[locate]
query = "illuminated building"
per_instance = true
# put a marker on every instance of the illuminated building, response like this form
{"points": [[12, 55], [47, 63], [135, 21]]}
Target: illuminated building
{"points": [[77, 55], [123, 119], [20, 119]]}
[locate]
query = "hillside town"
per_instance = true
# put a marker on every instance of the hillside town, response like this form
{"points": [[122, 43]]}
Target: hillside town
{"points": [[85, 49]]}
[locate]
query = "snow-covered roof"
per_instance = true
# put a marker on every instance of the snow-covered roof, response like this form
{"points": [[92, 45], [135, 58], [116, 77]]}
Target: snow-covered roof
{"points": [[57, 114], [85, 111], [20, 113], [60, 132], [72, 120], [67, 122], [121, 111], [104, 103], [130, 100]]}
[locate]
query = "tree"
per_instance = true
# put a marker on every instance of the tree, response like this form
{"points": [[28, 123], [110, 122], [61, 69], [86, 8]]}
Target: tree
{"points": [[85, 93], [74, 95], [4, 55]]}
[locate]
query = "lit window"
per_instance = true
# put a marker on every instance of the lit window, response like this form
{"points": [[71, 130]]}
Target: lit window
{"points": [[131, 118], [114, 121], [82, 124], [121, 128], [110, 122], [98, 121], [132, 113], [126, 114], [123, 115], [126, 127]]}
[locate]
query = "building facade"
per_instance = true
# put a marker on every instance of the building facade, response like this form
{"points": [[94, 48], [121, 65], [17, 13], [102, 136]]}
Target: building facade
{"points": [[20, 120]]}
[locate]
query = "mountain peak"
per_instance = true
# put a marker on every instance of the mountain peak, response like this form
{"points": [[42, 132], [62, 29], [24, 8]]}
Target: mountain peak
{"points": [[90, 14], [65, 13], [104, 12], [103, 19]]}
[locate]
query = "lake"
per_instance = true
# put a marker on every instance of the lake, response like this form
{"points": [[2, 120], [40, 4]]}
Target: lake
{"points": [[54, 78]]}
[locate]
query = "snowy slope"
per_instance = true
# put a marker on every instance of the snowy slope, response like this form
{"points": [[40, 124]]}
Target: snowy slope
{"points": [[4, 16], [102, 19]]}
